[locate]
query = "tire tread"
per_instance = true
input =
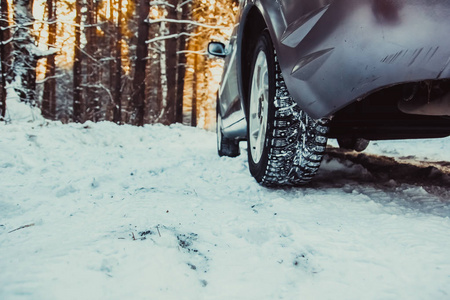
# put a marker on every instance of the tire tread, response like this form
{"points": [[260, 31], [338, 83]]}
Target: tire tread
{"points": [[294, 157]]}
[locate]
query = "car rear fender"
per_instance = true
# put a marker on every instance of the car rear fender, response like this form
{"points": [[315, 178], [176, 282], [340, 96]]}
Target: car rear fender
{"points": [[271, 14], [253, 20]]}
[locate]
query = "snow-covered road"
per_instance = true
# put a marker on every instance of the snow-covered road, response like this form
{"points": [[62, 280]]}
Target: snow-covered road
{"points": [[100, 211]]}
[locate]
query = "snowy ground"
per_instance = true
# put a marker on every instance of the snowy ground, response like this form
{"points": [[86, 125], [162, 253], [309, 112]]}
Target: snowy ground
{"points": [[99, 211]]}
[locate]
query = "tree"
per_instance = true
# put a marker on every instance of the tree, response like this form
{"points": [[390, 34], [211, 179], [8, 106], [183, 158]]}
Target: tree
{"points": [[49, 95], [171, 61], [194, 94], [118, 81], [138, 97], [77, 91], [123, 57], [186, 13], [92, 63], [154, 87], [170, 45], [5, 49], [214, 22], [25, 53]]}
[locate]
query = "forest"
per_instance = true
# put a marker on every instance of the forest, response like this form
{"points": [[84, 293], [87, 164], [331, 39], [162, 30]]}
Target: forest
{"points": [[125, 61]]}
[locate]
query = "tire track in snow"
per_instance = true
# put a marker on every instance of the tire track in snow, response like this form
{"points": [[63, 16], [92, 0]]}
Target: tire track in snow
{"points": [[404, 169], [421, 186]]}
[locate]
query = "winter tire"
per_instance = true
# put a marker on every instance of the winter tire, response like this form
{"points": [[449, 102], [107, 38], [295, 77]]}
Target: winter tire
{"points": [[285, 145]]}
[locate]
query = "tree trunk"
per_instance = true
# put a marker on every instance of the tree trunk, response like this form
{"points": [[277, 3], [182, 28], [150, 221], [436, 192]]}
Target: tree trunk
{"points": [[162, 84], [139, 73], [25, 53], [5, 49], [78, 115], [154, 88], [118, 92], [111, 52], [194, 93], [49, 96], [93, 101], [181, 68], [171, 62]]}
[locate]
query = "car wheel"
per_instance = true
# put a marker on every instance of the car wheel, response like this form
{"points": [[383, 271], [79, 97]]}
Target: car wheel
{"points": [[357, 144], [225, 146], [285, 145]]}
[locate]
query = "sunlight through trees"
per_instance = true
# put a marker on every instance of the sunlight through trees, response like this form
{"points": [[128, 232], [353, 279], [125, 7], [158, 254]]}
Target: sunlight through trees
{"points": [[126, 61]]}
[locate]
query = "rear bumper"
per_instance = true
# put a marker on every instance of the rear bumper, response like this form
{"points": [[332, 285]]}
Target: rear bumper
{"points": [[356, 47]]}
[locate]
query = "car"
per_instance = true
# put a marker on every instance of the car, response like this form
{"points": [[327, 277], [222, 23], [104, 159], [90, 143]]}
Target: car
{"points": [[297, 72]]}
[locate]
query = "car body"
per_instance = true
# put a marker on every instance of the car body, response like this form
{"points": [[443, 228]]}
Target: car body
{"points": [[376, 69]]}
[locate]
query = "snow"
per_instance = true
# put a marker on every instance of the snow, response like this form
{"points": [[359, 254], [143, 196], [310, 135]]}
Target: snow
{"points": [[421, 149], [17, 111], [100, 211]]}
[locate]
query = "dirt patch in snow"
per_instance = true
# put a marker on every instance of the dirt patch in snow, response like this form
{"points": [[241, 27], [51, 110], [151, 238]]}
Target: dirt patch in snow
{"points": [[404, 169]]}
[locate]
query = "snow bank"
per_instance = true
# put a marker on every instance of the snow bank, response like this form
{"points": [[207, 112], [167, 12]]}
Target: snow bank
{"points": [[17, 111]]}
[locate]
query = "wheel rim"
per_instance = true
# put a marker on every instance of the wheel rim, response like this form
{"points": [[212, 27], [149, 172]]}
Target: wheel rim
{"points": [[259, 105]]}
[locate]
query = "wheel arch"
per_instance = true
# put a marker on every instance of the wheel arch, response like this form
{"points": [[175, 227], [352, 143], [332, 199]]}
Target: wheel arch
{"points": [[252, 23]]}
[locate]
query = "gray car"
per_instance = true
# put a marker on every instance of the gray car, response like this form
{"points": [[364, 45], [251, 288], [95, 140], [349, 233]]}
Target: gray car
{"points": [[298, 72]]}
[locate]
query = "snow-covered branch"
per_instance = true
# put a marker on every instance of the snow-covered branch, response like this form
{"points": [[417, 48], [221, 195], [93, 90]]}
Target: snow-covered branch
{"points": [[193, 52], [48, 78], [185, 22], [161, 3], [108, 91], [184, 3], [44, 53], [8, 27], [170, 36], [100, 86], [7, 41], [87, 54]]}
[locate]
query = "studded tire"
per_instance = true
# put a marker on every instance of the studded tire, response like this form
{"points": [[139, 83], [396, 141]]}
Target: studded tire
{"points": [[291, 143]]}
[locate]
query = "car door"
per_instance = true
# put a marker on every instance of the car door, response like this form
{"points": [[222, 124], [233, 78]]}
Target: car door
{"points": [[230, 106]]}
